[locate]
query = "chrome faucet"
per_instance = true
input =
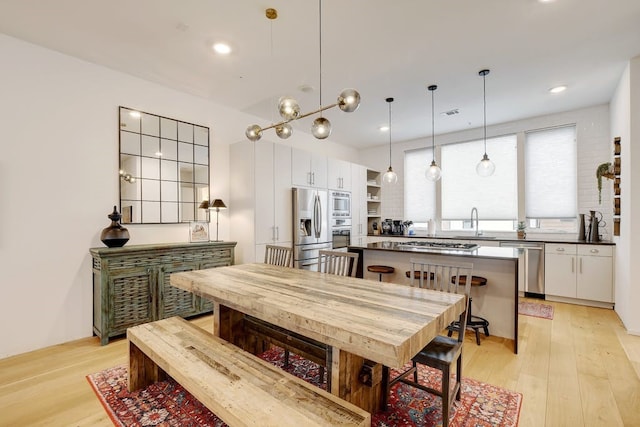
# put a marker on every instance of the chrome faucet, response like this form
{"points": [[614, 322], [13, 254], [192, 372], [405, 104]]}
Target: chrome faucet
{"points": [[474, 209]]}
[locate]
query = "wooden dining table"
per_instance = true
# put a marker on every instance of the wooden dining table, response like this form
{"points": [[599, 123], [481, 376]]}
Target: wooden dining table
{"points": [[365, 324]]}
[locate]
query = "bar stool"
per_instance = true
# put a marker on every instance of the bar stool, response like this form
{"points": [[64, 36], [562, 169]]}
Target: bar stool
{"points": [[380, 270], [416, 275], [473, 322]]}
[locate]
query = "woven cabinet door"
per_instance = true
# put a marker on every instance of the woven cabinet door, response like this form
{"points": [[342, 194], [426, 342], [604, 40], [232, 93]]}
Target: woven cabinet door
{"points": [[174, 301], [131, 299]]}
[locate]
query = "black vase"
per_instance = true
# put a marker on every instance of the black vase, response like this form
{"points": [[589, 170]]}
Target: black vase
{"points": [[115, 235]]}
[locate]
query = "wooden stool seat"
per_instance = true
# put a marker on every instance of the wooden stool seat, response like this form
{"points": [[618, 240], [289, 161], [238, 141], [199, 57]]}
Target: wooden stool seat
{"points": [[475, 280], [380, 270], [416, 275], [473, 322]]}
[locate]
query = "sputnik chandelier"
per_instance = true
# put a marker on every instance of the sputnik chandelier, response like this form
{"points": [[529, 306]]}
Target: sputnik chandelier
{"points": [[289, 109]]}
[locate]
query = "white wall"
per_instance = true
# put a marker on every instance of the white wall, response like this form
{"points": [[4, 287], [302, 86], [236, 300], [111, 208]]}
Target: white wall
{"points": [[594, 148], [59, 181], [625, 123]]}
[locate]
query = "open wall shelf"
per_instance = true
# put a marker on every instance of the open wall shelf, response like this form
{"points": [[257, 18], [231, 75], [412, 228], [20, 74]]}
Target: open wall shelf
{"points": [[617, 160]]}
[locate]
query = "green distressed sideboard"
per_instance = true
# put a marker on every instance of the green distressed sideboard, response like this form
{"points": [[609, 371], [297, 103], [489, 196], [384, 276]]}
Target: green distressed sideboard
{"points": [[131, 283]]}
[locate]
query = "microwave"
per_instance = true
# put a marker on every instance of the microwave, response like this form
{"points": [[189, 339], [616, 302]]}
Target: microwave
{"points": [[340, 204]]}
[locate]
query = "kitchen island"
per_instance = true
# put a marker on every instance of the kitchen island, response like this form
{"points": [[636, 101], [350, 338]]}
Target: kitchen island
{"points": [[497, 302]]}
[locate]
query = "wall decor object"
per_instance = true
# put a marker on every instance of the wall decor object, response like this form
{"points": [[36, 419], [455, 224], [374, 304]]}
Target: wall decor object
{"points": [[603, 171], [164, 168], [617, 162], [115, 235], [198, 231]]}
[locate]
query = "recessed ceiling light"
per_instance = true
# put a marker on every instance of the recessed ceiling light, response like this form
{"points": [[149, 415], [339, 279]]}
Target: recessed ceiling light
{"points": [[305, 88], [452, 112], [222, 48], [558, 89], [546, 1], [384, 128]]}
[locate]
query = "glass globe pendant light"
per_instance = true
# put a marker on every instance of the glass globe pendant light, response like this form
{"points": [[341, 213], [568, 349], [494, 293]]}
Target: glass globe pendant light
{"points": [[390, 177], [486, 167], [289, 109], [433, 172], [321, 127]]}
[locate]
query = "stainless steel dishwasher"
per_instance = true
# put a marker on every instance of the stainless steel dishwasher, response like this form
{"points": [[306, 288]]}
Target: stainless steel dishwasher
{"points": [[531, 267]]}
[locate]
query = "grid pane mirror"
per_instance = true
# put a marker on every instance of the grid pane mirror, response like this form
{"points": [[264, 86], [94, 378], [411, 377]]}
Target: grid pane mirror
{"points": [[164, 168]]}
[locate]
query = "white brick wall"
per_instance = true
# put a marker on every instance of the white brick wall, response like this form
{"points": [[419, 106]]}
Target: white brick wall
{"points": [[594, 147]]}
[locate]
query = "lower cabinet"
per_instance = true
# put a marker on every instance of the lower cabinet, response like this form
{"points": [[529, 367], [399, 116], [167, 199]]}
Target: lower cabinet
{"points": [[131, 284], [581, 272]]}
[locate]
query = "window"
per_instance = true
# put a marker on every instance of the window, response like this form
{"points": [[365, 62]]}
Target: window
{"points": [[495, 197], [550, 178], [419, 192]]}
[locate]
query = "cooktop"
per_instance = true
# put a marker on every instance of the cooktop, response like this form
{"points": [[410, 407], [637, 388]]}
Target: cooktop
{"points": [[439, 245]]}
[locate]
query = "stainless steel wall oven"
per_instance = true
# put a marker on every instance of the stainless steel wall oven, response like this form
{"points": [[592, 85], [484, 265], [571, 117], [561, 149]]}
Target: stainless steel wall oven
{"points": [[340, 219]]}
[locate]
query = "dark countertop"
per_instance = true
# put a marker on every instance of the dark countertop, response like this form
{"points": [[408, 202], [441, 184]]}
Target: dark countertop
{"points": [[488, 252], [498, 239]]}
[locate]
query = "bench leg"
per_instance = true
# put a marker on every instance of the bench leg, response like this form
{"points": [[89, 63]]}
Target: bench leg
{"points": [[142, 370]]}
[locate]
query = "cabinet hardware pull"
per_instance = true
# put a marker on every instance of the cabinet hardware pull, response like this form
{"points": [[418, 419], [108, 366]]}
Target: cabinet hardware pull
{"points": [[560, 249], [573, 265], [580, 265], [277, 233], [594, 251]]}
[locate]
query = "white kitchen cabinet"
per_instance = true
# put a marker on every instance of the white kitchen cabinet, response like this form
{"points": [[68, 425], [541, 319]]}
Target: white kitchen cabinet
{"points": [[358, 205], [260, 200], [308, 169], [273, 194], [581, 272], [339, 175], [595, 273]]}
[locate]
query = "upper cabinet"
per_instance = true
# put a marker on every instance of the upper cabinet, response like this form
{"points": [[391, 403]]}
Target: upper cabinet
{"points": [[339, 175], [308, 169]]}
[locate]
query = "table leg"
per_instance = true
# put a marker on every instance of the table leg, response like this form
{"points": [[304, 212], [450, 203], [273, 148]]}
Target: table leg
{"points": [[346, 384]]}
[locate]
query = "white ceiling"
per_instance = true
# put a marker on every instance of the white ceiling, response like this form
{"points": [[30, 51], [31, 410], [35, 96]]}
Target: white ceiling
{"points": [[381, 48]]}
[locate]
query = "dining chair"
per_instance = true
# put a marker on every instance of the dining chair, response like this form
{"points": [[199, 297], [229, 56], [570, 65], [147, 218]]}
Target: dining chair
{"points": [[278, 255], [442, 351], [338, 262]]}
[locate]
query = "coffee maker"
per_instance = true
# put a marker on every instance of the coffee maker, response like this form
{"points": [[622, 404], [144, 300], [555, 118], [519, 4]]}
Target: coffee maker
{"points": [[397, 227], [386, 226]]}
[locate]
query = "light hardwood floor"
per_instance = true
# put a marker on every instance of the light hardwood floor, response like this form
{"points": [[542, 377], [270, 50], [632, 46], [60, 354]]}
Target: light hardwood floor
{"points": [[580, 369]]}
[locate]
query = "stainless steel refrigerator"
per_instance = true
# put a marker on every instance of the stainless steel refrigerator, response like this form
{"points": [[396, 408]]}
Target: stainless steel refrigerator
{"points": [[310, 227]]}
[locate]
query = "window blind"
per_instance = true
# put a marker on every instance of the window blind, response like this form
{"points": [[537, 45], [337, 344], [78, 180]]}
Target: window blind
{"points": [[550, 173], [462, 188], [419, 192]]}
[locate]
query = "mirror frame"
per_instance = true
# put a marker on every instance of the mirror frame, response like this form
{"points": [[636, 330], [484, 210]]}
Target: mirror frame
{"points": [[164, 168]]}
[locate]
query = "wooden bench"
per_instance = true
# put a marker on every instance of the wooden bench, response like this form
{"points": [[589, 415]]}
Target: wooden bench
{"points": [[240, 388]]}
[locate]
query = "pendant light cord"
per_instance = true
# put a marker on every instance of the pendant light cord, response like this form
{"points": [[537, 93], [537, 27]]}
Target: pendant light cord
{"points": [[484, 106], [320, 25], [433, 128], [389, 100]]}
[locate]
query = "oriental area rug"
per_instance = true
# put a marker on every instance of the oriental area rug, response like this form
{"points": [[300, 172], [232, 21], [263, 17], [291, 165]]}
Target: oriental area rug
{"points": [[535, 309], [166, 403]]}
